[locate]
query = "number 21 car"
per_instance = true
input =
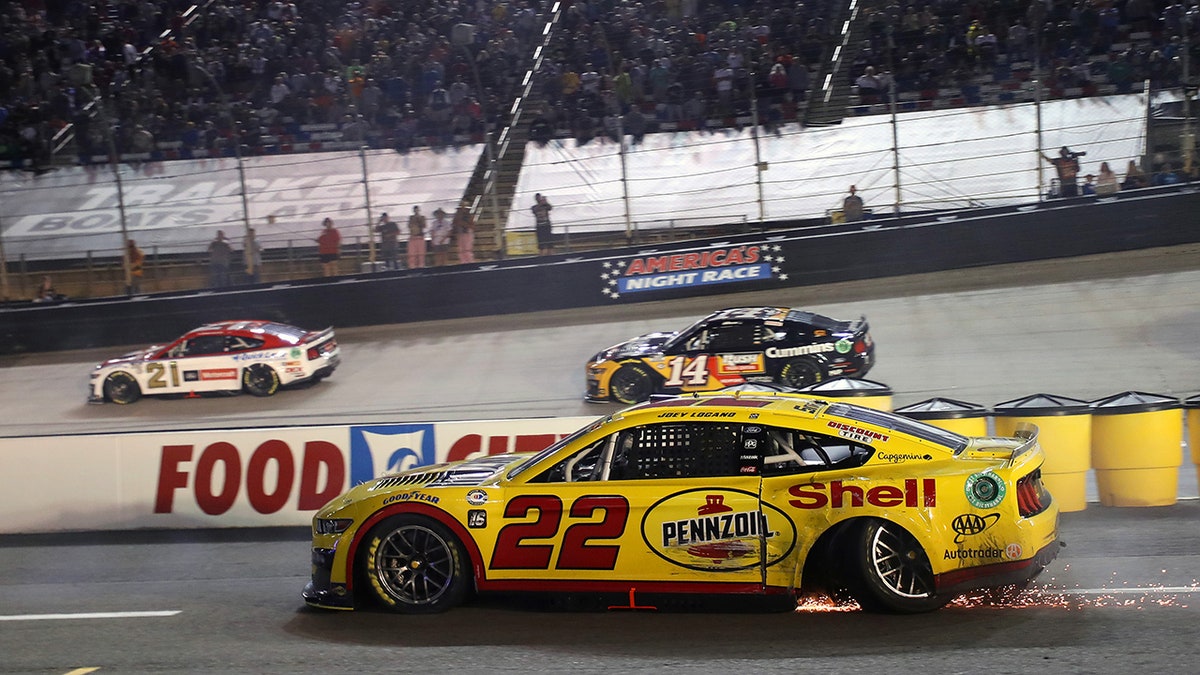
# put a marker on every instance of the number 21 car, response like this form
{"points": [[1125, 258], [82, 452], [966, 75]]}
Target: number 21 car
{"points": [[229, 356], [758, 494], [765, 345]]}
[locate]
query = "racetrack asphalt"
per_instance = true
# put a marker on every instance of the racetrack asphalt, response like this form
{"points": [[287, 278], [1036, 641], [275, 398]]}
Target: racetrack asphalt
{"points": [[1122, 596]]}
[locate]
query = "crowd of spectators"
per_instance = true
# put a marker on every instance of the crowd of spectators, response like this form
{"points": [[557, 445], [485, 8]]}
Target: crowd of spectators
{"points": [[392, 73], [1073, 46]]}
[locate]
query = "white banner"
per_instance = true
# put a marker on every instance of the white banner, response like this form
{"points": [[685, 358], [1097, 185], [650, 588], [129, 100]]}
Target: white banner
{"points": [[243, 478]]}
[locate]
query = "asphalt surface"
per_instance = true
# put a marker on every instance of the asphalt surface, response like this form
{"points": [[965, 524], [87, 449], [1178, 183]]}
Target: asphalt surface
{"points": [[1123, 595]]}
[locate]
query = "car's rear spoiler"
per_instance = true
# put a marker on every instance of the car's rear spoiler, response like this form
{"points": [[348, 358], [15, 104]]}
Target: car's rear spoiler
{"points": [[317, 336], [1029, 432]]}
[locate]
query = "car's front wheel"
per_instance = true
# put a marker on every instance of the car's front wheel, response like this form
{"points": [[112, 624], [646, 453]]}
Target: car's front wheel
{"points": [[414, 565], [121, 387], [632, 383], [260, 380], [800, 373], [890, 571]]}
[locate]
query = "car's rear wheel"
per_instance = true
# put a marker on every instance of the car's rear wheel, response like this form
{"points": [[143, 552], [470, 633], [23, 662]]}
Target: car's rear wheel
{"points": [[890, 571], [800, 373], [260, 380], [632, 383], [414, 565], [121, 387]]}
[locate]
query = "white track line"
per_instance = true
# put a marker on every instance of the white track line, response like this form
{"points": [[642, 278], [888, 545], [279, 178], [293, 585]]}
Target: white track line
{"points": [[1119, 591], [88, 615]]}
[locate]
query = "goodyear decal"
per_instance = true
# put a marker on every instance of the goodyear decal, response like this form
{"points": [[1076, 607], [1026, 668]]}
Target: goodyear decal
{"points": [[722, 265], [717, 530]]}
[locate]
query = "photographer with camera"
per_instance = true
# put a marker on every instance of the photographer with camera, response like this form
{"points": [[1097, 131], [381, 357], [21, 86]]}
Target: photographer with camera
{"points": [[1067, 166]]}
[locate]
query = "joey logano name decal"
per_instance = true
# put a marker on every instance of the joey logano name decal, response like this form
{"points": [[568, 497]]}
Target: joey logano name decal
{"points": [[728, 264], [717, 530]]}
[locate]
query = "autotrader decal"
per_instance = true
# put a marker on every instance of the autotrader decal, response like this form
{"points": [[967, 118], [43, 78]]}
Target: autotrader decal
{"points": [[722, 265]]}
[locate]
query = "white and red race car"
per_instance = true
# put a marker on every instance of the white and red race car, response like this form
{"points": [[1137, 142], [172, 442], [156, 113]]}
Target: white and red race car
{"points": [[228, 356]]}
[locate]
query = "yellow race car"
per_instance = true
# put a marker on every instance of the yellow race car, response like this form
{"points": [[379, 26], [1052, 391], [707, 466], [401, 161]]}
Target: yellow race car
{"points": [[721, 493]]}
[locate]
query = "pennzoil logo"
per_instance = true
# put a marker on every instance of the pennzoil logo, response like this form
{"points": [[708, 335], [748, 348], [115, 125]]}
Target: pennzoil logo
{"points": [[682, 269], [717, 530]]}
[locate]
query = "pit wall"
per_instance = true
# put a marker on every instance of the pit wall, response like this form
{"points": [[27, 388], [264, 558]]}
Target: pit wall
{"points": [[239, 478]]}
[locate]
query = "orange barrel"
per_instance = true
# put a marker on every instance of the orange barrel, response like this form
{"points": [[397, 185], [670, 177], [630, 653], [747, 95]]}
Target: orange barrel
{"points": [[1065, 434], [867, 393], [1136, 448], [1193, 430], [968, 419]]}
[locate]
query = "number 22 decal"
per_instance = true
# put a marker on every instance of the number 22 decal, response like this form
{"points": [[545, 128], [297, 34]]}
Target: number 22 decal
{"points": [[688, 371], [576, 551]]}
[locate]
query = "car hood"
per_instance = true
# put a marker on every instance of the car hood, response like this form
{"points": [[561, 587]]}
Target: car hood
{"points": [[642, 345], [139, 355]]}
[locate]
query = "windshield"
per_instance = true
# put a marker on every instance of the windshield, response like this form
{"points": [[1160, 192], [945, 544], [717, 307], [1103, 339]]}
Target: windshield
{"points": [[533, 461]]}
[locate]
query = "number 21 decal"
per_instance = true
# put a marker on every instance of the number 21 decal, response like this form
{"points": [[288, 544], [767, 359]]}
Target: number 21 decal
{"points": [[577, 552], [685, 371]]}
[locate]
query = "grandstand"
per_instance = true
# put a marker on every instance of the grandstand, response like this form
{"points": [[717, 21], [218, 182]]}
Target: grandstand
{"points": [[640, 118]]}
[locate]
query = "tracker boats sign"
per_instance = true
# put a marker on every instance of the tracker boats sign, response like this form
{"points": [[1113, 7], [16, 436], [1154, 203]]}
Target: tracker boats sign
{"points": [[683, 269]]}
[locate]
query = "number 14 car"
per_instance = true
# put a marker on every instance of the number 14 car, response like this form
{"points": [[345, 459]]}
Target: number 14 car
{"points": [[765, 345]]}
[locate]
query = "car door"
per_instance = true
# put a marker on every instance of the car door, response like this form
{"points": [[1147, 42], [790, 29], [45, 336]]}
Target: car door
{"points": [[669, 506], [200, 363], [720, 355]]}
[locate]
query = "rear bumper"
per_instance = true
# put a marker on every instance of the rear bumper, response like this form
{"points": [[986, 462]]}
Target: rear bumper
{"points": [[1017, 572]]}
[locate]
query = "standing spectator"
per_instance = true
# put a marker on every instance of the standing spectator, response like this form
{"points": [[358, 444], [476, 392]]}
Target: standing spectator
{"points": [[136, 260], [1088, 189], [1106, 182], [464, 234], [1134, 178], [389, 242], [852, 206], [329, 248], [541, 216], [1067, 166], [45, 291], [252, 256], [416, 239], [220, 254], [868, 86], [439, 236]]}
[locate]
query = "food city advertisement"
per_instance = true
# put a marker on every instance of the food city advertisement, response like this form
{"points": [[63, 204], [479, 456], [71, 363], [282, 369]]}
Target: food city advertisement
{"points": [[236, 478]]}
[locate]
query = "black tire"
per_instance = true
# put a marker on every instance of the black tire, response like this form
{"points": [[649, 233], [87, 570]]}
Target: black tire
{"points": [[632, 383], [414, 565], [800, 373], [260, 380], [121, 387], [889, 571]]}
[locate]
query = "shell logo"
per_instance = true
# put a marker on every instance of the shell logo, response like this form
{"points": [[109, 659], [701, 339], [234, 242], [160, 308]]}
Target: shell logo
{"points": [[717, 530]]}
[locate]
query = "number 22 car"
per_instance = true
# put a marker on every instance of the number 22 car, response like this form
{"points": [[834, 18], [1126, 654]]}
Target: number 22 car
{"points": [[765, 345], [229, 356], [765, 494]]}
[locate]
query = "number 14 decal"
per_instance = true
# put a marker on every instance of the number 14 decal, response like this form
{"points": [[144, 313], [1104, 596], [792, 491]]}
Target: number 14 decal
{"points": [[688, 371], [576, 551]]}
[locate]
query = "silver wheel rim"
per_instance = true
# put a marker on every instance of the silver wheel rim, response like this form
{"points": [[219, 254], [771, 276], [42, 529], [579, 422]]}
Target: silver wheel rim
{"points": [[900, 565], [414, 565]]}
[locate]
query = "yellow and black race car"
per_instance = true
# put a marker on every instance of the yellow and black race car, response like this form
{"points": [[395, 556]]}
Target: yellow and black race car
{"points": [[734, 346], [758, 494]]}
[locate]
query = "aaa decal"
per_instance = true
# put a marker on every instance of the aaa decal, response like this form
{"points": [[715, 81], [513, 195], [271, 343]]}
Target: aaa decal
{"points": [[717, 530]]}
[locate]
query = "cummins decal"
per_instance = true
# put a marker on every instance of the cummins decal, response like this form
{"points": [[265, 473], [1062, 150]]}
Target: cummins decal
{"points": [[685, 269]]}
